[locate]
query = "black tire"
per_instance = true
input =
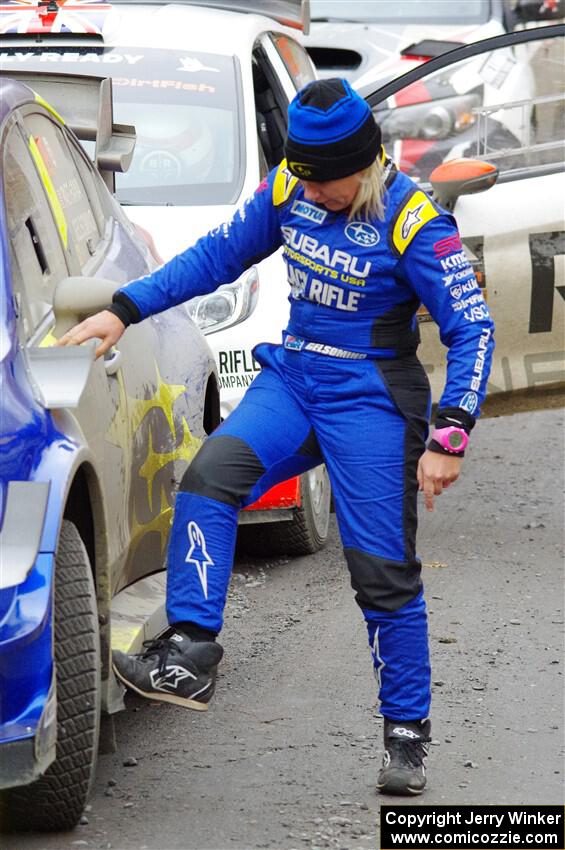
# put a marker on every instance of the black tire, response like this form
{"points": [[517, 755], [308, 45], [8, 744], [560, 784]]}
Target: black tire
{"points": [[305, 533], [56, 800]]}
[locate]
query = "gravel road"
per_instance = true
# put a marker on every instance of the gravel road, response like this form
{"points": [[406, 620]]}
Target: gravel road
{"points": [[288, 753]]}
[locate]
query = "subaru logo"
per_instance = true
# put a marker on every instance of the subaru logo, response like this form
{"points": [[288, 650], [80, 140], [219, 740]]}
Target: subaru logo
{"points": [[362, 233], [469, 402]]}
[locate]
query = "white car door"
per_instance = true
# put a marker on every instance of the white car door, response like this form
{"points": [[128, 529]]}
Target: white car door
{"points": [[502, 101]]}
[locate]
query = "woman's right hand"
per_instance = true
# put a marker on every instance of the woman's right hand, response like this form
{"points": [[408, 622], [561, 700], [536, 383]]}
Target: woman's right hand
{"points": [[104, 326]]}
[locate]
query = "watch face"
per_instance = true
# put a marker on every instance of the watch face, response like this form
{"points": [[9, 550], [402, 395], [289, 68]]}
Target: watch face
{"points": [[455, 440]]}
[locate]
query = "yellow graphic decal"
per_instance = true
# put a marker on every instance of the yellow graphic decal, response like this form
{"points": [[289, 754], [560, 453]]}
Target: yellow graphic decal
{"points": [[50, 189], [164, 399], [48, 107], [48, 340], [130, 413], [283, 185], [161, 523], [155, 461], [415, 213]]}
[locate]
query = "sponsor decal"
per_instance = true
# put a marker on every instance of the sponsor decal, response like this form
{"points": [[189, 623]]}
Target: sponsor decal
{"points": [[302, 168], [479, 366], [469, 402], [416, 212], [477, 314], [192, 65], [455, 276], [332, 351], [456, 261], [362, 233], [461, 288], [283, 184], [170, 681], [546, 280], [163, 84], [22, 16], [237, 360], [69, 56], [327, 258], [228, 382], [334, 296], [198, 555], [309, 211], [402, 732], [297, 279], [224, 229], [411, 220], [294, 343], [447, 245], [477, 298]]}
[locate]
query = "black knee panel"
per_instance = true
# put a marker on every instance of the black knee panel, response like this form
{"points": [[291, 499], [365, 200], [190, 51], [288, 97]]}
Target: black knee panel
{"points": [[225, 469], [381, 584]]}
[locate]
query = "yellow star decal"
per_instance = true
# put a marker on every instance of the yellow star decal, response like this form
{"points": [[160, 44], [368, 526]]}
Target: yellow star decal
{"points": [[163, 399], [161, 523]]}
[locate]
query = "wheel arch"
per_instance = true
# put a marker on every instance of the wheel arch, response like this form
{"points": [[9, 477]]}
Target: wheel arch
{"points": [[83, 507]]}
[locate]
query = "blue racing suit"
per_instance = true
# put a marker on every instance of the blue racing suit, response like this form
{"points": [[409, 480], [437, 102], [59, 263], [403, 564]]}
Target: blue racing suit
{"points": [[345, 388]]}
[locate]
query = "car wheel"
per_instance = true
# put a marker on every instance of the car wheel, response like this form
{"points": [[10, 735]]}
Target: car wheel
{"points": [[305, 533], [56, 800]]}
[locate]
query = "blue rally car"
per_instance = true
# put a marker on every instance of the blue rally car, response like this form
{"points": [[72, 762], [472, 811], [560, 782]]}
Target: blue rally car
{"points": [[90, 450]]}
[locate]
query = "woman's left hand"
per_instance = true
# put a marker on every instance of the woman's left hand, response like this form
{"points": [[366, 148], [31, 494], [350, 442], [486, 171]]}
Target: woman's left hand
{"points": [[435, 473]]}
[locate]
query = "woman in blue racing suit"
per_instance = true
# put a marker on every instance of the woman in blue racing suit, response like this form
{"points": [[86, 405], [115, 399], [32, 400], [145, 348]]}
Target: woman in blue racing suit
{"points": [[364, 247]]}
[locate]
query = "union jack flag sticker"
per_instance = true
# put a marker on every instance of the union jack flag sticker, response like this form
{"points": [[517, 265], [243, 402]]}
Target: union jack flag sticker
{"points": [[24, 17]]}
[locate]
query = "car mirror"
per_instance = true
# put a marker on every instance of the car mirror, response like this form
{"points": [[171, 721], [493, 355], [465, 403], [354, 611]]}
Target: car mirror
{"points": [[461, 177], [76, 298]]}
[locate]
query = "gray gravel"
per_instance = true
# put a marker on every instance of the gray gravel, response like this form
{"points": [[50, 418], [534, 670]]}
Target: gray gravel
{"points": [[288, 754]]}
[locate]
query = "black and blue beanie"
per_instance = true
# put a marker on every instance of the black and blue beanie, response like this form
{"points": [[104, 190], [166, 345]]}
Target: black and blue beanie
{"points": [[331, 132]]}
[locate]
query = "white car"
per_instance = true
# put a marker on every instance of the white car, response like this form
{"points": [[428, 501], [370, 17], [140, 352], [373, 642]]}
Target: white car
{"points": [[207, 90], [226, 98], [512, 145], [372, 41]]}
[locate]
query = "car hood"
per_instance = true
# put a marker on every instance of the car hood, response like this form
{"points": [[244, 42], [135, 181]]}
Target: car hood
{"points": [[378, 47]]}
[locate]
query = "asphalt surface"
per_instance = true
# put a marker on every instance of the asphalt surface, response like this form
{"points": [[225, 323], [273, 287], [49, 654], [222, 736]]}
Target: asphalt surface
{"points": [[288, 754]]}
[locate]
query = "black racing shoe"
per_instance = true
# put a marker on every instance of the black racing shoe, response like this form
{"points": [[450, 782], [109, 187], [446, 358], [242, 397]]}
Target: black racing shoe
{"points": [[404, 762], [172, 669]]}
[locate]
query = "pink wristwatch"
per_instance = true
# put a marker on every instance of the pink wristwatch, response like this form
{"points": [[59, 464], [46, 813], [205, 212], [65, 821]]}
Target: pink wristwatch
{"points": [[452, 439]]}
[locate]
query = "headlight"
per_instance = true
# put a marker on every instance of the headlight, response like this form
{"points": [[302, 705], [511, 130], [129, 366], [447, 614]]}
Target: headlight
{"points": [[434, 119], [227, 306]]}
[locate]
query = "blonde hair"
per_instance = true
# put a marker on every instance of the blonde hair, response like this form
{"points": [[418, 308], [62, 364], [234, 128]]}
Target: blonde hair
{"points": [[369, 200]]}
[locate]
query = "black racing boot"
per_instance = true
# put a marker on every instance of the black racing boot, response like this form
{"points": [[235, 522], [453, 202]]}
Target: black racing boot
{"points": [[404, 762], [172, 669]]}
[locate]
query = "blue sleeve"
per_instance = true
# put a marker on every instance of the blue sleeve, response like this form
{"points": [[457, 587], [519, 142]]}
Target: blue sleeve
{"points": [[438, 270], [219, 257]]}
